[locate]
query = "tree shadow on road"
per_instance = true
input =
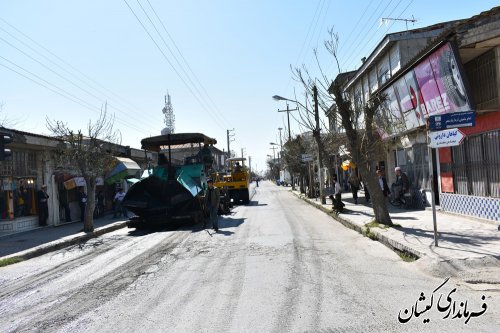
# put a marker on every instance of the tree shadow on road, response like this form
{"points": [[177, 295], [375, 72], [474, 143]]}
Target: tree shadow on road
{"points": [[230, 222], [256, 203], [225, 222], [455, 238]]}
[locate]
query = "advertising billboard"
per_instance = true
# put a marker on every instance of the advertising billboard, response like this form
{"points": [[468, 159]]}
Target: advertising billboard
{"points": [[434, 86], [441, 83], [389, 119]]}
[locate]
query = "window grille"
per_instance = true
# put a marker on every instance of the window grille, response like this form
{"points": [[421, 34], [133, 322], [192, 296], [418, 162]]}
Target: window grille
{"points": [[476, 165]]}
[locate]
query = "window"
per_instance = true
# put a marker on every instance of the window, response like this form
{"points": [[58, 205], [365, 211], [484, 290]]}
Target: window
{"points": [[373, 80], [394, 60], [482, 71], [383, 73]]}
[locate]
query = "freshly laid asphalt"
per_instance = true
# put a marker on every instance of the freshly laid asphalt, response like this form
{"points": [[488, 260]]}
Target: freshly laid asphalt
{"points": [[468, 248]]}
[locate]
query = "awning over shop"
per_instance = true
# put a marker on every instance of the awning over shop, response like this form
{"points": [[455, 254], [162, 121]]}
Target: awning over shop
{"points": [[126, 168], [80, 181], [146, 173]]}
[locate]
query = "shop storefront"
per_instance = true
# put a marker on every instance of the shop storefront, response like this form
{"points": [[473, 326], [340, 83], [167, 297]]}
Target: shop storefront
{"points": [[18, 192]]}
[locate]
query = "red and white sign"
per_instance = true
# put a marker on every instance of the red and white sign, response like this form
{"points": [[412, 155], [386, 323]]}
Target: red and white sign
{"points": [[446, 138]]}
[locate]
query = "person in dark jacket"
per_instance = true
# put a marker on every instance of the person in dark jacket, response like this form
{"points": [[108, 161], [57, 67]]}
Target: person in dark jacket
{"points": [[82, 201], [212, 201], [354, 182], [383, 183], [402, 182], [43, 207], [100, 204], [336, 197]]}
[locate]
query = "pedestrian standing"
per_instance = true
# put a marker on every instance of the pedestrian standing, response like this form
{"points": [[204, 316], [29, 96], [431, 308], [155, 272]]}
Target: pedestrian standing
{"points": [[119, 209], [100, 204], [212, 200], [354, 182], [383, 183], [82, 201], [402, 184], [338, 205], [43, 207]]}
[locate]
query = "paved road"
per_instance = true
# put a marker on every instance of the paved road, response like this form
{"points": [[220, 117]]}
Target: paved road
{"points": [[276, 265]]}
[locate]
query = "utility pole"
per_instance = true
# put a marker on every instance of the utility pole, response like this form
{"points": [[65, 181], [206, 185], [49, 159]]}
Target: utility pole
{"points": [[281, 145], [229, 136], [317, 133], [288, 110], [274, 154], [281, 142]]}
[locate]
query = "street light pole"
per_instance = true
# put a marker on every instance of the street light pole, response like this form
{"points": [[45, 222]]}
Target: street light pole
{"points": [[320, 155], [273, 145], [281, 143], [270, 167], [288, 110], [274, 155]]}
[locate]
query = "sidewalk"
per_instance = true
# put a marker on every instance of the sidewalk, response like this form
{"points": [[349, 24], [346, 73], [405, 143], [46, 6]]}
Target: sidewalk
{"points": [[42, 240], [467, 247]]}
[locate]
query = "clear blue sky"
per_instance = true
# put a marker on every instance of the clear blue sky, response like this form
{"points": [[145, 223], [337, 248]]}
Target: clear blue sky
{"points": [[234, 56]]}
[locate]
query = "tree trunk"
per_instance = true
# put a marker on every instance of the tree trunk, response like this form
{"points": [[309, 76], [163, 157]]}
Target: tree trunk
{"points": [[88, 223], [379, 202], [362, 151]]}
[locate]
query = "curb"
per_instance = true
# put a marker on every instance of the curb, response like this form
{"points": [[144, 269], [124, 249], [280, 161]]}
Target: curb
{"points": [[380, 237], [65, 242]]}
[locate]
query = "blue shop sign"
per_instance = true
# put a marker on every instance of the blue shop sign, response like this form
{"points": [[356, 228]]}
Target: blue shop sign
{"points": [[452, 120]]}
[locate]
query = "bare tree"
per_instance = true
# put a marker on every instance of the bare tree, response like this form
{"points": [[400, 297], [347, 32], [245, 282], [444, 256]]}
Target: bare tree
{"points": [[362, 133], [274, 170], [89, 153], [309, 116], [357, 119], [292, 152], [6, 121]]}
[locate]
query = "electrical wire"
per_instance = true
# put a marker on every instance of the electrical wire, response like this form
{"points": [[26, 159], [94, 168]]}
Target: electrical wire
{"points": [[58, 90], [354, 51], [60, 67], [210, 113], [179, 64], [185, 61]]}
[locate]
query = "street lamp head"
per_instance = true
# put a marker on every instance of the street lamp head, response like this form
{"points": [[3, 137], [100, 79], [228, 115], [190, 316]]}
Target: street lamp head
{"points": [[279, 98], [280, 128], [273, 144]]}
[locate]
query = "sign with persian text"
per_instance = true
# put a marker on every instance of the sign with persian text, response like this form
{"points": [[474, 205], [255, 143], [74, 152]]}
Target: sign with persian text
{"points": [[446, 138], [452, 120]]}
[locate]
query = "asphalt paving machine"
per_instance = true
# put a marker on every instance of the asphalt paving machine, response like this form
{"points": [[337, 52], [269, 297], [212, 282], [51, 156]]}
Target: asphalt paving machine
{"points": [[172, 194]]}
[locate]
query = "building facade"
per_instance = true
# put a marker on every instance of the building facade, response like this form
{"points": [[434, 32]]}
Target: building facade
{"points": [[449, 68], [32, 165]]}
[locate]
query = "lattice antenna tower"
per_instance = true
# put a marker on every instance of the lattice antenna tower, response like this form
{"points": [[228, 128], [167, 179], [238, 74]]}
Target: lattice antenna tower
{"points": [[168, 111]]}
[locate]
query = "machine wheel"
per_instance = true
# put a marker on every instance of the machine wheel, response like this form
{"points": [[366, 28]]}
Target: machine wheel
{"points": [[197, 217], [245, 196]]}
